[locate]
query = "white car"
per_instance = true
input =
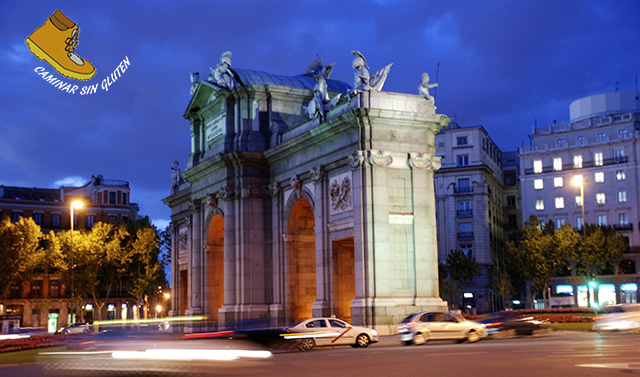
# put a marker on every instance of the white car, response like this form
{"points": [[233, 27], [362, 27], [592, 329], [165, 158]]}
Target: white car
{"points": [[418, 328], [622, 317], [330, 332], [76, 328]]}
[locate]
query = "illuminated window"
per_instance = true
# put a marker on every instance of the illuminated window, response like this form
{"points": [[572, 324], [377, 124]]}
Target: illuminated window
{"points": [[600, 198], [577, 161], [622, 196], [620, 175], [602, 220], [623, 218], [538, 184], [557, 164], [559, 202], [599, 176], [537, 166], [597, 159], [558, 182], [578, 201], [539, 204]]}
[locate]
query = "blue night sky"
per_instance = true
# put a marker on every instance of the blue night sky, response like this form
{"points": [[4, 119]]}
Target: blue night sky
{"points": [[503, 64]]}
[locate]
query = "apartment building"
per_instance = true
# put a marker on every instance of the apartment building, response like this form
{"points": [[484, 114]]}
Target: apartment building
{"points": [[600, 147], [477, 204], [43, 302]]}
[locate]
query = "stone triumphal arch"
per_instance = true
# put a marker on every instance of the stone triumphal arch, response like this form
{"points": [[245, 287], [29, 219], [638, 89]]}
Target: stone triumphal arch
{"points": [[305, 196]]}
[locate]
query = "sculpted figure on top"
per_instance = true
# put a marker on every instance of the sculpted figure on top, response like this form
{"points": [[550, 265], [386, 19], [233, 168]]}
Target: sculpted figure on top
{"points": [[362, 81], [321, 103], [223, 75], [424, 88], [317, 68]]}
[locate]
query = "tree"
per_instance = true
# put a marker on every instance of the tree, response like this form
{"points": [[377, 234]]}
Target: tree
{"points": [[19, 242], [501, 283], [458, 270], [145, 250]]}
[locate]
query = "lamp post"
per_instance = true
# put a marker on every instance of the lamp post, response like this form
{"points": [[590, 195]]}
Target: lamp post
{"points": [[579, 181], [75, 204]]}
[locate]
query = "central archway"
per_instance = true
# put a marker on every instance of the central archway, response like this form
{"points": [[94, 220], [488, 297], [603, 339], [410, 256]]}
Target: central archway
{"points": [[301, 261], [215, 267]]}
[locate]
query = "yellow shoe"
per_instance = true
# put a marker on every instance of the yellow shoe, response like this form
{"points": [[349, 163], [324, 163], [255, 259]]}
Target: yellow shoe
{"points": [[55, 42]]}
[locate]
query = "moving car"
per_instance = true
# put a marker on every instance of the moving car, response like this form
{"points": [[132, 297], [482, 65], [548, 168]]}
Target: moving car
{"points": [[622, 317], [508, 324], [330, 332], [418, 328], [76, 328]]}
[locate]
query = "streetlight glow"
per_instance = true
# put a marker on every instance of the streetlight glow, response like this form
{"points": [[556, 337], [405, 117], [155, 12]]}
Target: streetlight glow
{"points": [[577, 181]]}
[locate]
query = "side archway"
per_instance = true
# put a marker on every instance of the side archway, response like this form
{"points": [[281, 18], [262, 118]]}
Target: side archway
{"points": [[215, 267], [301, 260]]}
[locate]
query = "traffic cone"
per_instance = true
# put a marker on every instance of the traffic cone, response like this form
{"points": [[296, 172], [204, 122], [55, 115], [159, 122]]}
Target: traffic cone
{"points": [[55, 42]]}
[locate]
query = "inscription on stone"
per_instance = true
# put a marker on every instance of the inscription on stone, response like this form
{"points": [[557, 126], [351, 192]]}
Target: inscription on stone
{"points": [[214, 128]]}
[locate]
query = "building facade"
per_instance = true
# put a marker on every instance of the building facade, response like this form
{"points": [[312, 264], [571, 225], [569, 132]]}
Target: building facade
{"points": [[476, 201], [304, 197], [601, 145], [44, 301]]}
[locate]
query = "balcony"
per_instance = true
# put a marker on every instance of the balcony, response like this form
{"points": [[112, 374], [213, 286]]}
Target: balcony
{"points": [[623, 226], [464, 213], [465, 235], [463, 190]]}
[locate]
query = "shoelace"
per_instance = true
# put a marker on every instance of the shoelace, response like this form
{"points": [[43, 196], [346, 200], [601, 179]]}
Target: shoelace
{"points": [[72, 44]]}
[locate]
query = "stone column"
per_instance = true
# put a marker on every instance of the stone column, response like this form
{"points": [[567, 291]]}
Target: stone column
{"points": [[196, 259], [321, 307], [175, 271]]}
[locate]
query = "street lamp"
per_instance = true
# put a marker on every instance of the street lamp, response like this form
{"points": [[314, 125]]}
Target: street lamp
{"points": [[579, 181], [75, 204]]}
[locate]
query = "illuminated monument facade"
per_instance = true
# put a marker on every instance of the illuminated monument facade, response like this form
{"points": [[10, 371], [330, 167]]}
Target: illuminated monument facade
{"points": [[306, 196]]}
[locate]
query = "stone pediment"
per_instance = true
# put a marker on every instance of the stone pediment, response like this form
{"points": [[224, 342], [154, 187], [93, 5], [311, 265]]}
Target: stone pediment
{"points": [[203, 94]]}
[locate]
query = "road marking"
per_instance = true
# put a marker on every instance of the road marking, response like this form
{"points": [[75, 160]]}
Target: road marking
{"points": [[565, 355]]}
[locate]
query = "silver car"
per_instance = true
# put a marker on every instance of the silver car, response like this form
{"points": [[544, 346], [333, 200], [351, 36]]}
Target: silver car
{"points": [[418, 328], [622, 317], [330, 332]]}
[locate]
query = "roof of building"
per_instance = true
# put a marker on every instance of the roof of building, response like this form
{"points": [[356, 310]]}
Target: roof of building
{"points": [[32, 194], [258, 78]]}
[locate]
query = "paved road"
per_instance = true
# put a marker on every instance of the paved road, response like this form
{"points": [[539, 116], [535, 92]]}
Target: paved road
{"points": [[562, 354]]}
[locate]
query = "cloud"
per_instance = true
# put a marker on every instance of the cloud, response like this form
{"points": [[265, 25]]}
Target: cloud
{"points": [[73, 181]]}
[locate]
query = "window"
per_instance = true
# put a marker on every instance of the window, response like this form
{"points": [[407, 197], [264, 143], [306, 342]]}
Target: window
{"points": [[15, 216], [602, 135], [462, 140], [620, 175], [54, 289], [559, 202], [112, 197], [557, 164], [113, 217], [36, 289], [562, 141], [577, 161], [539, 204], [464, 207], [465, 230], [623, 218], [599, 177], [90, 221], [623, 133], [538, 184], [558, 182], [581, 139], [622, 196], [537, 166], [464, 185], [579, 222], [463, 160], [597, 159], [511, 201], [600, 198], [602, 220], [619, 155], [124, 198], [560, 222], [55, 220], [37, 218], [578, 201]]}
